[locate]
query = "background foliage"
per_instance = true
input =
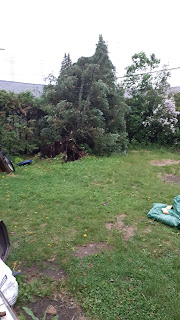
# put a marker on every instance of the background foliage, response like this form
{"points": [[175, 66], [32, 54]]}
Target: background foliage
{"points": [[19, 122], [153, 117], [87, 104]]}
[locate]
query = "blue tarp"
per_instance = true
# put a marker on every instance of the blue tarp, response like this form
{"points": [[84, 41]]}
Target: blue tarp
{"points": [[24, 163]]}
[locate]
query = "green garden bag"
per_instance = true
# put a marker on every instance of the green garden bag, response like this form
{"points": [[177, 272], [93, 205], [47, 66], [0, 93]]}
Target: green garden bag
{"points": [[171, 217]]}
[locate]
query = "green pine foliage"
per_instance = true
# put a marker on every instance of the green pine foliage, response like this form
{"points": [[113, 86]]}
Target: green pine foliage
{"points": [[87, 103], [66, 63]]}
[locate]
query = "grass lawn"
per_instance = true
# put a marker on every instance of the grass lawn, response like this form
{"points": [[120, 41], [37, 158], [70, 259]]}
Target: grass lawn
{"points": [[51, 209]]}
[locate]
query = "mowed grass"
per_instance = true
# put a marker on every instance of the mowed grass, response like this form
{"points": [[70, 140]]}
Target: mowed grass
{"points": [[49, 206]]}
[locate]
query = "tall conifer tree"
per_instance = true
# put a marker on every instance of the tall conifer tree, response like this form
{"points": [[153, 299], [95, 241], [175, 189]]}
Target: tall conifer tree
{"points": [[66, 62], [90, 105]]}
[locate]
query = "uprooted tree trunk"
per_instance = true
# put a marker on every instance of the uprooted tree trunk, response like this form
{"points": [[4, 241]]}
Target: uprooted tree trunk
{"points": [[66, 146]]}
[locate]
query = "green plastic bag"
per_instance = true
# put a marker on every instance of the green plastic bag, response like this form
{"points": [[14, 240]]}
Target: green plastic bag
{"points": [[172, 218]]}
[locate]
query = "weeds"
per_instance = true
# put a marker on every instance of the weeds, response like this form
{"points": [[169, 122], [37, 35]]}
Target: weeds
{"points": [[31, 314]]}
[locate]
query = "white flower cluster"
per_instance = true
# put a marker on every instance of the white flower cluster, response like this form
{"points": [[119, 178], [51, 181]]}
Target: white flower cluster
{"points": [[165, 115]]}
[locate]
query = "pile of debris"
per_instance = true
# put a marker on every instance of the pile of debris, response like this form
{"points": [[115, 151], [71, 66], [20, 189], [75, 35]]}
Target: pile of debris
{"points": [[67, 146]]}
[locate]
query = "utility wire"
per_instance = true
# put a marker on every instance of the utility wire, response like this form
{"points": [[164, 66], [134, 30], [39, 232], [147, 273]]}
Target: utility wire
{"points": [[140, 74]]}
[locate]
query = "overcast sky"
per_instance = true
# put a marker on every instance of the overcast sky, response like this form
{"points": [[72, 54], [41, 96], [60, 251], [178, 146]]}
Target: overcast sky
{"points": [[36, 33]]}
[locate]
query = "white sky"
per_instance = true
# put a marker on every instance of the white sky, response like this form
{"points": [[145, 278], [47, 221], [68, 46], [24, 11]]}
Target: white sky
{"points": [[36, 33]]}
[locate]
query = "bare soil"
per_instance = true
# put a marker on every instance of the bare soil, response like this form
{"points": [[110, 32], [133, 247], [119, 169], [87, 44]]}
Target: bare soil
{"points": [[165, 162], [127, 231], [65, 308], [51, 269], [91, 248], [170, 178], [60, 304]]}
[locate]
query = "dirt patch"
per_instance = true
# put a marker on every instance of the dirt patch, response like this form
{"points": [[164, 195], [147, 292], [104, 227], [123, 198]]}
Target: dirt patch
{"points": [[51, 269], [59, 304], [165, 162], [110, 225], [127, 231], [65, 308], [91, 248], [172, 178]]}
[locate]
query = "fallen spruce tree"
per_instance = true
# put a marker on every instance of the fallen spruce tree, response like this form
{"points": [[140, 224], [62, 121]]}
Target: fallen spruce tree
{"points": [[66, 146]]}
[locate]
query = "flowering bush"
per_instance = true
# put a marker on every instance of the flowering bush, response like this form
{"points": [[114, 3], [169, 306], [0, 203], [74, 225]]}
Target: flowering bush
{"points": [[162, 125], [164, 115]]}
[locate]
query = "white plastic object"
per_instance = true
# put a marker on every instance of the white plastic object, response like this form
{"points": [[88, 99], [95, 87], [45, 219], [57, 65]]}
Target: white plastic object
{"points": [[8, 284]]}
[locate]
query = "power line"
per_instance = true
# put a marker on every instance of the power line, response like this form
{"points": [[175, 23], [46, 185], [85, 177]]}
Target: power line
{"points": [[140, 74]]}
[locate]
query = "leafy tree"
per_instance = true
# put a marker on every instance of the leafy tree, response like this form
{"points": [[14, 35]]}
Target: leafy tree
{"points": [[177, 105], [20, 114], [146, 90], [177, 101]]}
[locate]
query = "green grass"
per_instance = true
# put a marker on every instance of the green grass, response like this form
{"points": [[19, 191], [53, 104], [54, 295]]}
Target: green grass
{"points": [[49, 206]]}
